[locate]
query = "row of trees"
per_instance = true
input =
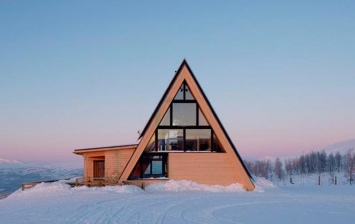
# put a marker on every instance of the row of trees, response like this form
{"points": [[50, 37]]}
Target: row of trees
{"points": [[311, 163]]}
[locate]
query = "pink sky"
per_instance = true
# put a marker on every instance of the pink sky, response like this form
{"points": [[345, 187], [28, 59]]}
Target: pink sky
{"points": [[280, 76]]}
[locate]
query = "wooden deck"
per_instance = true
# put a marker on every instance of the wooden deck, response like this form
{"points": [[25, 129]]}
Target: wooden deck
{"points": [[142, 183]]}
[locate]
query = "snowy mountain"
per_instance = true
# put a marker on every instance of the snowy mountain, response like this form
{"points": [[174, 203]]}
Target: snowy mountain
{"points": [[9, 161], [13, 174], [341, 147]]}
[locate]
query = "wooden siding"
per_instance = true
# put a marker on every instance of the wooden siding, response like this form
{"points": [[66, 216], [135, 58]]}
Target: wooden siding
{"points": [[111, 164], [204, 168], [115, 162]]}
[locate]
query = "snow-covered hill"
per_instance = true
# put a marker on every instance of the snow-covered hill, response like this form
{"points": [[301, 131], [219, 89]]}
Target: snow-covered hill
{"points": [[9, 161], [341, 147]]}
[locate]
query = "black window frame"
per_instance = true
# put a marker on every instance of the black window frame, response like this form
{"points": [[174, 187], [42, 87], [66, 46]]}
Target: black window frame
{"points": [[184, 87], [164, 159]]}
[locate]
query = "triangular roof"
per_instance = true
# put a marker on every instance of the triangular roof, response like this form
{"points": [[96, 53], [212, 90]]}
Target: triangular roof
{"points": [[184, 74]]}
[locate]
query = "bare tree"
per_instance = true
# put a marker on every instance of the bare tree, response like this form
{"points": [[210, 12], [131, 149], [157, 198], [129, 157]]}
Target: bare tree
{"points": [[288, 167], [321, 162], [250, 166], [312, 162], [302, 165], [338, 161], [278, 170], [331, 167], [260, 168], [331, 164], [349, 171]]}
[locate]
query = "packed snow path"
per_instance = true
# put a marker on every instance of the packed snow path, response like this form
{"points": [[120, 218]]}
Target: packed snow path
{"points": [[58, 203]]}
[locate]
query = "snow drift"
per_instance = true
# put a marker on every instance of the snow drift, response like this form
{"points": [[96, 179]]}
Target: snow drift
{"points": [[185, 185]]}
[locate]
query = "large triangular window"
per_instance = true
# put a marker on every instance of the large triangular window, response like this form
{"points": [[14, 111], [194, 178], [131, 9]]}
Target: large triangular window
{"points": [[184, 127]]}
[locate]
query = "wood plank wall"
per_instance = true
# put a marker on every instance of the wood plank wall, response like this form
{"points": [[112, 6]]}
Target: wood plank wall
{"points": [[204, 168], [116, 161]]}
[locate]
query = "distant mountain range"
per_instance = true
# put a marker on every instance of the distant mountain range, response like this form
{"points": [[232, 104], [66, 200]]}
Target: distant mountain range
{"points": [[341, 147], [13, 173], [9, 161]]}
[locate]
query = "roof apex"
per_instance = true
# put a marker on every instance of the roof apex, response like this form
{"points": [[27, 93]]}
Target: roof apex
{"points": [[177, 73]]}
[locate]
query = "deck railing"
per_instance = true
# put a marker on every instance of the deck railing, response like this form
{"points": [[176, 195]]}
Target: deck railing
{"points": [[26, 185]]}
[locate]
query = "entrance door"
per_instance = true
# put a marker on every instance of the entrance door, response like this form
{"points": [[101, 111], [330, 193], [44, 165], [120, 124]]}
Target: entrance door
{"points": [[99, 169]]}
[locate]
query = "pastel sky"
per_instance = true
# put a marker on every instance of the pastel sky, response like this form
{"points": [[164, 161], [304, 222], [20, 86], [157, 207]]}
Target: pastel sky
{"points": [[78, 74]]}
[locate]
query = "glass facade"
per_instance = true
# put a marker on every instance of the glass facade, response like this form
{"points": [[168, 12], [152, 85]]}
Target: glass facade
{"points": [[184, 128]]}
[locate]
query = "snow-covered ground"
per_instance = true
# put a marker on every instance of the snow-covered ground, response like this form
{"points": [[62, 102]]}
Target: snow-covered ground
{"points": [[180, 202]]}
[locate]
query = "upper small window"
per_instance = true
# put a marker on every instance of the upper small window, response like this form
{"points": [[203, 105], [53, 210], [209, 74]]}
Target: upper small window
{"points": [[180, 93], [184, 93], [188, 95]]}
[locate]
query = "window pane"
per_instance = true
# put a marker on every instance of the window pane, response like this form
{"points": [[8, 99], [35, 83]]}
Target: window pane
{"points": [[157, 167], [170, 139], [188, 95], [198, 140], [148, 170], [217, 147], [166, 119], [151, 145], [180, 93], [201, 118], [150, 166], [184, 114]]}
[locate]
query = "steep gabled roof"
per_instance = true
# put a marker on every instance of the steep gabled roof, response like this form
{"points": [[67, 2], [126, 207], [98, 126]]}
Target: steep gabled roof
{"points": [[184, 74], [184, 63]]}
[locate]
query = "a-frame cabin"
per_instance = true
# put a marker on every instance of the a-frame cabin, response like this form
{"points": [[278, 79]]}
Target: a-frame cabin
{"points": [[183, 140]]}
